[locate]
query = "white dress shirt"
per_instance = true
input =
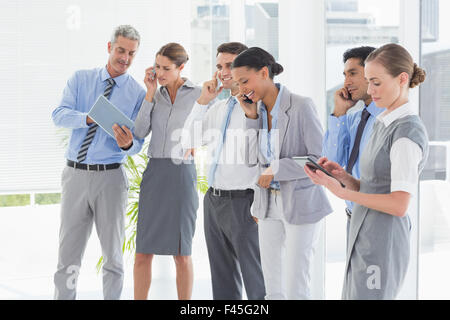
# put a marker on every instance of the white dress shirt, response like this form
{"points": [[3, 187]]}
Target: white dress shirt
{"points": [[405, 155], [203, 127]]}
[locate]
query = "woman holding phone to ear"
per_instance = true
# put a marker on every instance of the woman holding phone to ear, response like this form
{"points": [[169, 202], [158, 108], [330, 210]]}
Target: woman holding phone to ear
{"points": [[378, 248], [289, 206], [168, 199]]}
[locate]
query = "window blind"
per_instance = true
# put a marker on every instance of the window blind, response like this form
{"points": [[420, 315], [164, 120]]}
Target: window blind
{"points": [[43, 43]]}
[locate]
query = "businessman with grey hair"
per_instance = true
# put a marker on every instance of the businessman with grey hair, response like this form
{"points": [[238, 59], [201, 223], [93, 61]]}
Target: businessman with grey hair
{"points": [[94, 182]]}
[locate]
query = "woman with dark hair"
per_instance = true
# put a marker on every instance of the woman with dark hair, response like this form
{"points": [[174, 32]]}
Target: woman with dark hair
{"points": [[378, 244], [288, 205], [168, 199]]}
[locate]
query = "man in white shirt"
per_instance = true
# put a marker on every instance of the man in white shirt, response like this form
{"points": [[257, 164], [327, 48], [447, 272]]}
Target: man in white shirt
{"points": [[231, 231]]}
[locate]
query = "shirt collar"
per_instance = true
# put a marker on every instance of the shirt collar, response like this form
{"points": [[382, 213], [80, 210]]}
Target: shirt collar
{"points": [[187, 83], [388, 117], [276, 106], [120, 80], [374, 110]]}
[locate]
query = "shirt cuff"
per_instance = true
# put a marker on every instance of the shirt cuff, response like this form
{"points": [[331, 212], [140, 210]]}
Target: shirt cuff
{"points": [[199, 110], [252, 123], [82, 121], [148, 104], [134, 149], [335, 124]]}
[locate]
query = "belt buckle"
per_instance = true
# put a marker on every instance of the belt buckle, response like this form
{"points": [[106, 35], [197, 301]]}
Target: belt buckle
{"points": [[216, 194]]}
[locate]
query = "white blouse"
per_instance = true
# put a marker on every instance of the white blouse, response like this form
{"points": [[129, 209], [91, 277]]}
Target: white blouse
{"points": [[405, 155]]}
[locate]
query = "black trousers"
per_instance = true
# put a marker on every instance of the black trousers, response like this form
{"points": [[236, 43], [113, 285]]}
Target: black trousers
{"points": [[233, 248]]}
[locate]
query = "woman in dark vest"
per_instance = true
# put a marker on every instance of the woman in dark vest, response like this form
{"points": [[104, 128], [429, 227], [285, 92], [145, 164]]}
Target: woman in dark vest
{"points": [[379, 239]]}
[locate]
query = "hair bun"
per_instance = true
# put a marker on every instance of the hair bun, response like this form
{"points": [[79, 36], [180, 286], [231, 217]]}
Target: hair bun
{"points": [[418, 76], [277, 69], [257, 58]]}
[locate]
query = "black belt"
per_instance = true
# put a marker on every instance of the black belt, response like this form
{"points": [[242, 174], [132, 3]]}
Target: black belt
{"points": [[93, 167], [230, 193], [348, 212]]}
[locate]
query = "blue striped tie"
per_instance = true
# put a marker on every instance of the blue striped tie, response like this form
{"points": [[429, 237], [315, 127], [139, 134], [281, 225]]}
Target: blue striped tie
{"points": [[218, 151], [93, 129]]}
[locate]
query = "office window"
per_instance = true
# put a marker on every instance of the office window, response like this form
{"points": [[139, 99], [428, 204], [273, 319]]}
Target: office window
{"points": [[214, 22], [435, 181], [44, 43], [262, 25], [354, 23]]}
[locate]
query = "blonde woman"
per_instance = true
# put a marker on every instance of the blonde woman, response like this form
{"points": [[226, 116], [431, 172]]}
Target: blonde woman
{"points": [[379, 237], [168, 199]]}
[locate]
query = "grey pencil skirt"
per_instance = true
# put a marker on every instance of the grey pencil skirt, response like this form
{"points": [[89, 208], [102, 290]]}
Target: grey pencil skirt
{"points": [[168, 203]]}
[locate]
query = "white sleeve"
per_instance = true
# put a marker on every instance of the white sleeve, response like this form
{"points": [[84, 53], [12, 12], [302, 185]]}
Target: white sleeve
{"points": [[201, 119], [250, 148], [190, 137], [405, 158]]}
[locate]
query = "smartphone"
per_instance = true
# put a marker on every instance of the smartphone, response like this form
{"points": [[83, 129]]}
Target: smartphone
{"points": [[153, 72], [219, 83], [313, 165], [349, 96], [247, 100]]}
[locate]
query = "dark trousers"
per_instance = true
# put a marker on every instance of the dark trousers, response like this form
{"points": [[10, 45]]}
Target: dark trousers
{"points": [[233, 248]]}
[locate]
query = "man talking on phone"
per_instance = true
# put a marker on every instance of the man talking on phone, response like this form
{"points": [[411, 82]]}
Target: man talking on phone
{"points": [[231, 232], [349, 131]]}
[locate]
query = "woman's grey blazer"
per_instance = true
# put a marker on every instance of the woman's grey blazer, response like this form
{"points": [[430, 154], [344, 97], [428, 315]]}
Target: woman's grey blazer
{"points": [[299, 134]]}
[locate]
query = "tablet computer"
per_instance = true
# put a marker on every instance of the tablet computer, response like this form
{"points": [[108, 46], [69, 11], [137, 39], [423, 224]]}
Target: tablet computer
{"points": [[313, 165], [105, 114]]}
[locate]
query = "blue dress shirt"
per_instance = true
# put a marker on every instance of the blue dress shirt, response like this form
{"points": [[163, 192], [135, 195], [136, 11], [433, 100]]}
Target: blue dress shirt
{"points": [[80, 93], [340, 138], [267, 144]]}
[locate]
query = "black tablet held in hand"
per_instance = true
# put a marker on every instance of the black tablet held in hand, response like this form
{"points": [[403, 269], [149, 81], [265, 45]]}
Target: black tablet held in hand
{"points": [[313, 165]]}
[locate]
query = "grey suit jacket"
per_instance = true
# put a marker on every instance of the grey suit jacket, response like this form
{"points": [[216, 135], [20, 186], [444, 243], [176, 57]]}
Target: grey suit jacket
{"points": [[299, 134]]}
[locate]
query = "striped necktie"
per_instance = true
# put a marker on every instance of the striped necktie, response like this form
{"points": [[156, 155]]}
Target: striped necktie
{"points": [[218, 151], [93, 129]]}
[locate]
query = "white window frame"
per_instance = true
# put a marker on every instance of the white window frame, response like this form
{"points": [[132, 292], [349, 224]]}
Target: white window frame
{"points": [[410, 38]]}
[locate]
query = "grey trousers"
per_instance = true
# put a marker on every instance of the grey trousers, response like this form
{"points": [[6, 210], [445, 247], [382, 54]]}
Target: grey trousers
{"points": [[233, 247], [89, 197]]}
